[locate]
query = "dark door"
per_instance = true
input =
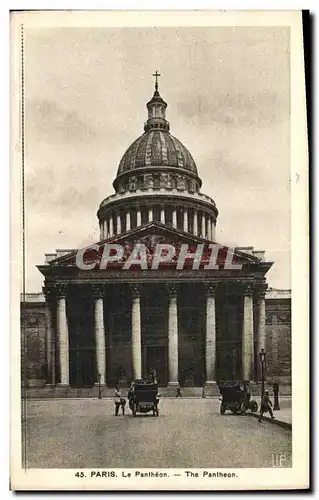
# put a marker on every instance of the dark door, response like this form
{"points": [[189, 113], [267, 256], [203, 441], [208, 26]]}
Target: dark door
{"points": [[82, 367], [156, 360]]}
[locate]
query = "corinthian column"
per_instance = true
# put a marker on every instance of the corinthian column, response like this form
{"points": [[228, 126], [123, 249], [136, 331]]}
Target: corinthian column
{"points": [[99, 332], [63, 334], [186, 220], [162, 214], [118, 224], [138, 217], [209, 228], [172, 337], [210, 335], [150, 214], [136, 333], [174, 218], [111, 225], [128, 220], [203, 226], [195, 223], [248, 335]]}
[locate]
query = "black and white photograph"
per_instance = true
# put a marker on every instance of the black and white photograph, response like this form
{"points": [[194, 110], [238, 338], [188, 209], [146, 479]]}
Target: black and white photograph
{"points": [[160, 166]]}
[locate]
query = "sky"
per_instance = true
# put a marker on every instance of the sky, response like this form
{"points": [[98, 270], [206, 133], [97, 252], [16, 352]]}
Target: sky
{"points": [[228, 95]]}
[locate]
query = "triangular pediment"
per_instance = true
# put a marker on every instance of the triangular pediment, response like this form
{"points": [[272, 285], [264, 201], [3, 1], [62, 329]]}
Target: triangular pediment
{"points": [[149, 237]]}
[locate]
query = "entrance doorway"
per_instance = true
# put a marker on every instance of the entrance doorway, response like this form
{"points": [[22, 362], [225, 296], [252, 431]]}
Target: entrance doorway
{"points": [[82, 367], [154, 358]]}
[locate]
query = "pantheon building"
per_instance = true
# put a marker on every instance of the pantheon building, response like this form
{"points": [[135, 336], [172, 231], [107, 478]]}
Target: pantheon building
{"points": [[196, 325]]}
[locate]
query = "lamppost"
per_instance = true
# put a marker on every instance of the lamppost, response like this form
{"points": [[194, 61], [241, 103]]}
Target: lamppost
{"points": [[262, 357], [99, 379]]}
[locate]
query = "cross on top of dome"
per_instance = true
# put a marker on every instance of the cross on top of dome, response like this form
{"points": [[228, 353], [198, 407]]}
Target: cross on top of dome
{"points": [[156, 74]]}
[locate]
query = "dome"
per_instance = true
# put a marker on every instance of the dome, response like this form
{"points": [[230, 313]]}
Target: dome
{"points": [[157, 148], [157, 159], [157, 181]]}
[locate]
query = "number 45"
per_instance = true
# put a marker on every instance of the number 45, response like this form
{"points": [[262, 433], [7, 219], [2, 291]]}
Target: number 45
{"points": [[79, 474]]}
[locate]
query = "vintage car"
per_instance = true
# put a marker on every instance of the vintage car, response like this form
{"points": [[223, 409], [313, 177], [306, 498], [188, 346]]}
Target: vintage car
{"points": [[143, 397], [235, 398]]}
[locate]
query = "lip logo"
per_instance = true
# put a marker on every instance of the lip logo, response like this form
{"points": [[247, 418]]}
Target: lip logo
{"points": [[202, 256]]}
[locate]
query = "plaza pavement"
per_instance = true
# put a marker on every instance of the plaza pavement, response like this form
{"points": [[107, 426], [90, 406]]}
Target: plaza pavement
{"points": [[189, 433]]}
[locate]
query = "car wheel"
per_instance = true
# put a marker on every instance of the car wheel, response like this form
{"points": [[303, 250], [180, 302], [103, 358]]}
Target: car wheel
{"points": [[253, 406]]}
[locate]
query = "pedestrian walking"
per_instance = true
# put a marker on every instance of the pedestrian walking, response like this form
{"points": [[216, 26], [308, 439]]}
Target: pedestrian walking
{"points": [[178, 392], [266, 406], [130, 396]]}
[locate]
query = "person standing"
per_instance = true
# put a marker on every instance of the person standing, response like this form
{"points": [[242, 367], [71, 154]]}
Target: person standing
{"points": [[118, 401], [266, 406]]}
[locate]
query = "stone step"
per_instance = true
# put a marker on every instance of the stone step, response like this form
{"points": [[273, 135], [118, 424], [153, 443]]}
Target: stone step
{"points": [[49, 392]]}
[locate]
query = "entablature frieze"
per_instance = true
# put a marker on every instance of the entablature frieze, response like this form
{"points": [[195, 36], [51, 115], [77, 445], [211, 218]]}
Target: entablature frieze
{"points": [[98, 289]]}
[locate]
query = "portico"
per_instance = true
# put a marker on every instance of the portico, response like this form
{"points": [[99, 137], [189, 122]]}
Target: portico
{"points": [[195, 333]]}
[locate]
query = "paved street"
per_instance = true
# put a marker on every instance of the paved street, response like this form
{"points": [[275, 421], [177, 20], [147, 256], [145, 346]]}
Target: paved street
{"points": [[188, 433]]}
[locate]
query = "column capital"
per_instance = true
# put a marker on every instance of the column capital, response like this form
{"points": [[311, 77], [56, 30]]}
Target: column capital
{"points": [[135, 290], [172, 289], [248, 289], [98, 291], [49, 292], [211, 289], [61, 290], [260, 290]]}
